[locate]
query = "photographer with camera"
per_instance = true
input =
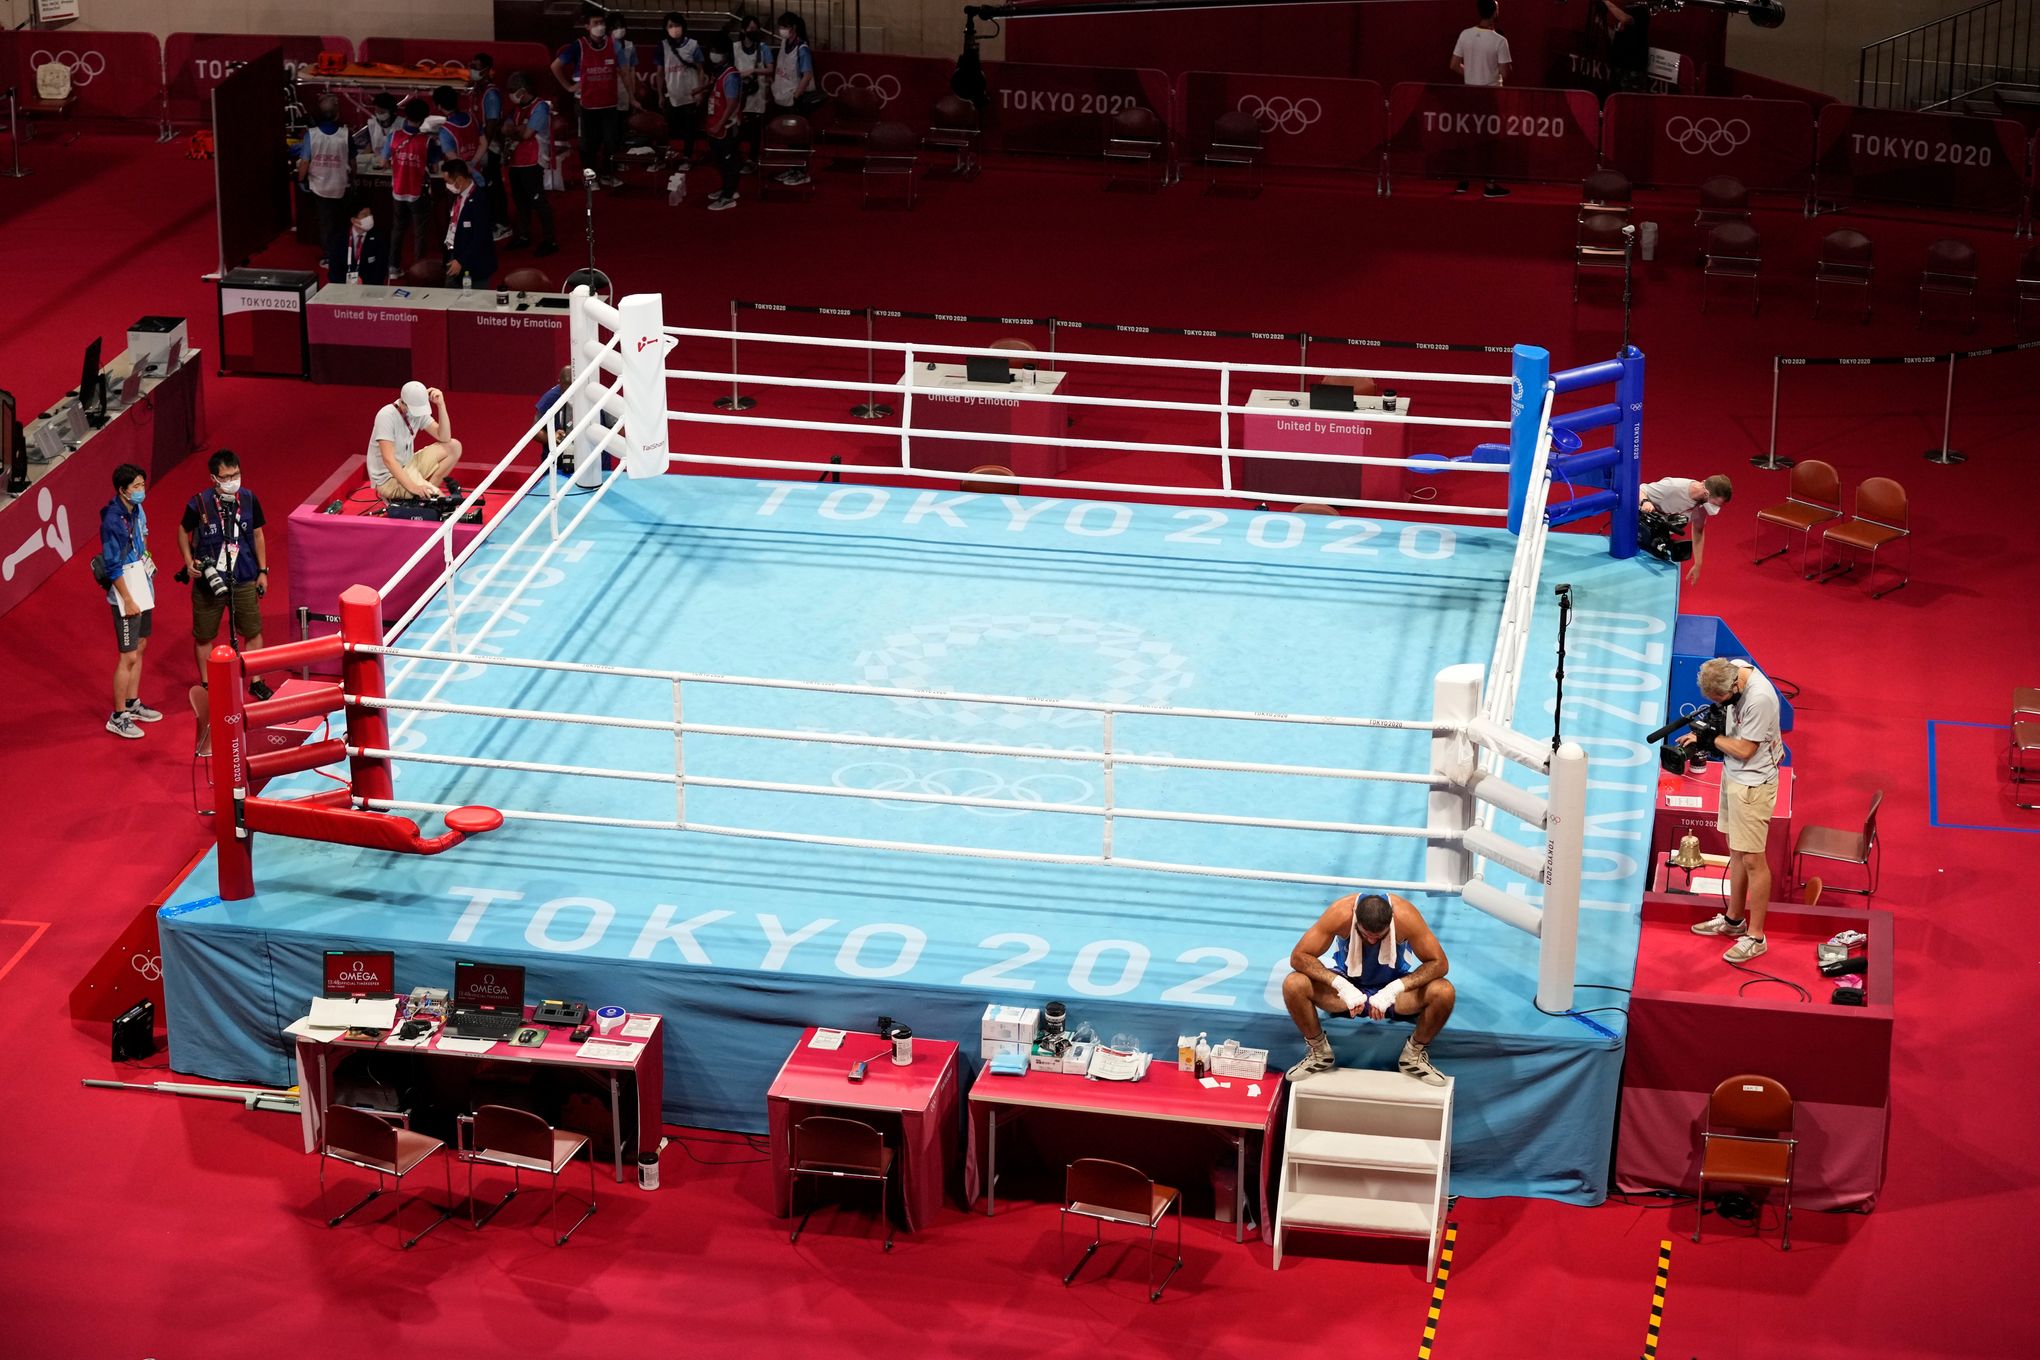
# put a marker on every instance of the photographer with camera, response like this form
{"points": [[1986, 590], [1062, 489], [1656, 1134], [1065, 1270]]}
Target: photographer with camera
{"points": [[1668, 508], [226, 562], [1750, 745]]}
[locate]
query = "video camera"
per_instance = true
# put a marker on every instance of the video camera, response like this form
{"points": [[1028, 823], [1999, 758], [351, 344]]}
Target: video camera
{"points": [[1707, 723], [1663, 536]]}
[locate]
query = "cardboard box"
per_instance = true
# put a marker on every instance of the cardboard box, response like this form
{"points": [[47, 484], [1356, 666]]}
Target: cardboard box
{"points": [[1231, 1060], [1077, 1061], [1010, 1024], [1041, 1059], [989, 1049]]}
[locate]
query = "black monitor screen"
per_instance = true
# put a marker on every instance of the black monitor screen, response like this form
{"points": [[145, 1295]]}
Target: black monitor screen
{"points": [[1331, 397], [91, 391], [488, 986], [982, 368]]}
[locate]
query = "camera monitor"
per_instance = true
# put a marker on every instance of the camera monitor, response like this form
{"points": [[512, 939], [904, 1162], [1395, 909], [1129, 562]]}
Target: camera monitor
{"points": [[987, 369], [1331, 397], [488, 987]]}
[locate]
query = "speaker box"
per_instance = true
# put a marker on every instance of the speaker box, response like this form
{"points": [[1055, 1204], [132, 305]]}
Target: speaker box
{"points": [[134, 1032]]}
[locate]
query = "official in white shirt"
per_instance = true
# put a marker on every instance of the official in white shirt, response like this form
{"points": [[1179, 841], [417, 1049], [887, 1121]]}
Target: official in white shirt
{"points": [[1481, 57], [397, 468]]}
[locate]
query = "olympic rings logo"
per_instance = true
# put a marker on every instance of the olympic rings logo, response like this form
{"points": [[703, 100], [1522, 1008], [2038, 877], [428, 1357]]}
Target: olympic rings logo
{"points": [[1706, 136], [150, 966], [963, 781], [887, 88], [1280, 113], [82, 65]]}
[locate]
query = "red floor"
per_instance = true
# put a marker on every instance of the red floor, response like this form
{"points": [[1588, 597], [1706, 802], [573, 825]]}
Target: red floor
{"points": [[147, 1225]]}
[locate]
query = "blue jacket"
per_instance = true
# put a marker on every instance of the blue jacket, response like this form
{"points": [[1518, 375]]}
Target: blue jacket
{"points": [[123, 538]]}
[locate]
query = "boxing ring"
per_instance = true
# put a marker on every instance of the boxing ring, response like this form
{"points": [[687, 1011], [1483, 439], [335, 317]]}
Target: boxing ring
{"points": [[763, 754]]}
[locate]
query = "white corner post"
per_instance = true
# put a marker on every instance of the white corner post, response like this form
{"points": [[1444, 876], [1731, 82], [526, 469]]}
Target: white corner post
{"points": [[642, 329], [1455, 703], [1564, 851], [584, 336]]}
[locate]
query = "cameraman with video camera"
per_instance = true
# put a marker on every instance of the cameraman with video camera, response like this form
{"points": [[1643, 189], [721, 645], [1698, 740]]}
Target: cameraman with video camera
{"points": [[1750, 745], [226, 561], [1670, 506]]}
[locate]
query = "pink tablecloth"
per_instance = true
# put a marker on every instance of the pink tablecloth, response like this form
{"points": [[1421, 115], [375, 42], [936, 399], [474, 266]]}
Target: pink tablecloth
{"points": [[1302, 430], [1674, 820], [924, 1097]]}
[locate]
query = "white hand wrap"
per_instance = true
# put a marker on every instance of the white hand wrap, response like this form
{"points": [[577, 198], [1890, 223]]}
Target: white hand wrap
{"points": [[1348, 993], [1384, 1000]]}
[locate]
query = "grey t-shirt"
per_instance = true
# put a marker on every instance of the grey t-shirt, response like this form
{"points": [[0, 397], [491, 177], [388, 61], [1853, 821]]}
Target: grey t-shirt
{"points": [[1673, 495], [1754, 717], [390, 424]]}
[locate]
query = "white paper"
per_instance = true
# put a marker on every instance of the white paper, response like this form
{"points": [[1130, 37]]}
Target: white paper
{"points": [[394, 1042], [1683, 800], [1254, 1091], [640, 1026], [449, 1043], [824, 1038], [607, 1051], [303, 1028], [1208, 1083], [136, 574], [344, 1012]]}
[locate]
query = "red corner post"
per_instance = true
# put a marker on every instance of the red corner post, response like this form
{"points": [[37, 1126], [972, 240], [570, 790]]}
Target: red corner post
{"points": [[361, 675], [229, 773]]}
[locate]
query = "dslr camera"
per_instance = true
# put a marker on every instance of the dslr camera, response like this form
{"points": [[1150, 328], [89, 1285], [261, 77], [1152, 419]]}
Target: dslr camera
{"points": [[210, 579], [1663, 536]]}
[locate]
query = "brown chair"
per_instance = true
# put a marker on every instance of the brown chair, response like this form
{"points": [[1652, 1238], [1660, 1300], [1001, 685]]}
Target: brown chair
{"points": [[989, 488], [891, 152], [1847, 260], [1809, 892], [2026, 286], [359, 1138], [854, 112], [2023, 742], [1606, 191], [429, 273], [1314, 508], [954, 126], [1600, 245], [789, 149], [1236, 141], [830, 1147], [1723, 198], [1136, 137], [1018, 346], [1734, 251], [1950, 272], [1758, 1151], [502, 1136], [1113, 1192], [1813, 496], [1881, 519], [528, 280], [1844, 847]]}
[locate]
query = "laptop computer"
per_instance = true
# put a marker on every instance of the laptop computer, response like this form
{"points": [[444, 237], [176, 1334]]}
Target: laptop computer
{"points": [[487, 1001], [360, 990], [1331, 397]]}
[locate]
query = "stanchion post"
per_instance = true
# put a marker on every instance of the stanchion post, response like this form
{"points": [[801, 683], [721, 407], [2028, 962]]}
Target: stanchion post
{"points": [[361, 677], [736, 400], [1559, 940], [1455, 702], [871, 408], [1530, 374], [14, 135], [1302, 359], [1944, 454], [1626, 477], [643, 354], [1770, 461], [229, 774]]}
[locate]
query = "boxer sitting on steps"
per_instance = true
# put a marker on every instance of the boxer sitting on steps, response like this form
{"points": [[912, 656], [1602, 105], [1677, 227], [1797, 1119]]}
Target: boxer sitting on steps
{"points": [[1385, 965]]}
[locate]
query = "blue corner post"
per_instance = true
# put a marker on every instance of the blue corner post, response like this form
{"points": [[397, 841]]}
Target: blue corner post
{"points": [[1530, 370], [1627, 475]]}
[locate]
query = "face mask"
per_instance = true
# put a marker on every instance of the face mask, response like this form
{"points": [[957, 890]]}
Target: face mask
{"points": [[474, 73], [135, 496], [229, 486], [786, 35], [385, 118], [365, 225], [597, 30]]}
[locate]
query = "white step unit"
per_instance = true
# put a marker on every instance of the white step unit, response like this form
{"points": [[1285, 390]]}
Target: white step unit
{"points": [[1366, 1152]]}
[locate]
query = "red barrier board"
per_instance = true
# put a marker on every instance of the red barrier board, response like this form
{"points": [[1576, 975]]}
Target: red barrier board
{"points": [[1067, 110], [1493, 132], [1935, 160], [907, 87], [195, 62], [114, 75], [1305, 121], [1672, 140]]}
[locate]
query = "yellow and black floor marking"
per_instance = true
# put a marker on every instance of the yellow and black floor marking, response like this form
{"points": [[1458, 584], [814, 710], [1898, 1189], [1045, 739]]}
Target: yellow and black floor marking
{"points": [[1438, 1292], [1657, 1298]]}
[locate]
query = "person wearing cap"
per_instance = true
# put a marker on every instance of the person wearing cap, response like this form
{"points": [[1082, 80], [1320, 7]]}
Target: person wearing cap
{"points": [[1680, 498], [398, 468]]}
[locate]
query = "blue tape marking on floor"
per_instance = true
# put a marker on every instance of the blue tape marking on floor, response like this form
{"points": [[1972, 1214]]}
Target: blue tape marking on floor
{"points": [[1934, 786]]}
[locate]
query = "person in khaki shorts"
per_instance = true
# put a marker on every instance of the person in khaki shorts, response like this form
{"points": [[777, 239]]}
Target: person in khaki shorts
{"points": [[1750, 747], [398, 466]]}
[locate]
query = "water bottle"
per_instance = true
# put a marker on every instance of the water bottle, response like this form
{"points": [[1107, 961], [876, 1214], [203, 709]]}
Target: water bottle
{"points": [[676, 187], [467, 282]]}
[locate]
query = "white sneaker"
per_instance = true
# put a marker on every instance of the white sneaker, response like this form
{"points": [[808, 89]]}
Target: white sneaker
{"points": [[121, 725], [1316, 1058], [1416, 1062], [719, 203], [1745, 949], [503, 233], [141, 712], [1720, 923]]}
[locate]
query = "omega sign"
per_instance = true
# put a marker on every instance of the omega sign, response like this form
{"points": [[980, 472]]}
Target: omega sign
{"points": [[358, 972], [1917, 149]]}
